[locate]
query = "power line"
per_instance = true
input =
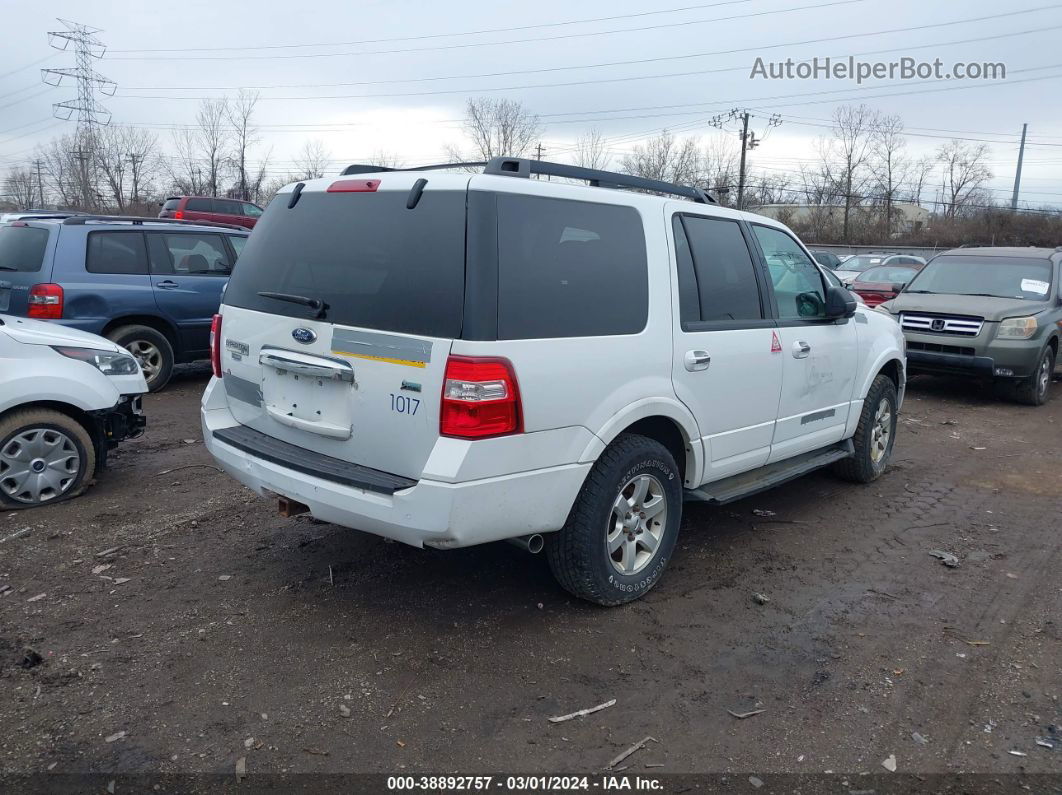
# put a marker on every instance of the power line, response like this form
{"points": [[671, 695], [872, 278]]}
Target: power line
{"points": [[610, 64], [508, 41], [448, 35]]}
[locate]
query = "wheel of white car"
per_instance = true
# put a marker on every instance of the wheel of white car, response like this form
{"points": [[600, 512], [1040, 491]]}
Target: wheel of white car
{"points": [[45, 457], [875, 435], [622, 530]]}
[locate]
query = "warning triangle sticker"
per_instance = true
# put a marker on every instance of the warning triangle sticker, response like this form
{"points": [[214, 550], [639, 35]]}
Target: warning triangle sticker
{"points": [[776, 344]]}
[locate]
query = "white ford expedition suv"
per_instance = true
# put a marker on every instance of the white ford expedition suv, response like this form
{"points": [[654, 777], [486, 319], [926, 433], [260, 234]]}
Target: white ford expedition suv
{"points": [[449, 359]]}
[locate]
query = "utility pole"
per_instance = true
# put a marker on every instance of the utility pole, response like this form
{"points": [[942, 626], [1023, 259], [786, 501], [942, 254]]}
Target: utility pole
{"points": [[539, 151], [135, 160], [1017, 174], [40, 183], [749, 141]]}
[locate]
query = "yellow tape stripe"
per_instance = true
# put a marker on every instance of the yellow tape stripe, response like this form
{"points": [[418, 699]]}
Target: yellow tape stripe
{"points": [[406, 362]]}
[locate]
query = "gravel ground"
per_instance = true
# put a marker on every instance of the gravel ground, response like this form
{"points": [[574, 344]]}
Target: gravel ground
{"points": [[215, 630]]}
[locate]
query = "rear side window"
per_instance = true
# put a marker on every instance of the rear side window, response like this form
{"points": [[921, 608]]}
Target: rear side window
{"points": [[375, 263], [199, 206], [717, 278], [171, 204], [116, 252], [22, 248], [195, 255], [569, 269]]}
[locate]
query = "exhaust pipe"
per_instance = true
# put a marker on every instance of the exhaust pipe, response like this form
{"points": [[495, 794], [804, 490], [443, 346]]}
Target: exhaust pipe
{"points": [[532, 543]]}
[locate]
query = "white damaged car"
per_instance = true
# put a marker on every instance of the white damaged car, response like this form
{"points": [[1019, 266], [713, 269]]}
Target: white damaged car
{"points": [[66, 398]]}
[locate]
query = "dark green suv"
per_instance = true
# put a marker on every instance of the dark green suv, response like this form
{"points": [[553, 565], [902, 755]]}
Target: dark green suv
{"points": [[994, 313]]}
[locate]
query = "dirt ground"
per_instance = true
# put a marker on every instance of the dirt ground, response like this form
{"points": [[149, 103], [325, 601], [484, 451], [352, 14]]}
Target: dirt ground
{"points": [[216, 630]]}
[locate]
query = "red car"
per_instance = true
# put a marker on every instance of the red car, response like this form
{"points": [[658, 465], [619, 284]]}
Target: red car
{"points": [[883, 283], [207, 208]]}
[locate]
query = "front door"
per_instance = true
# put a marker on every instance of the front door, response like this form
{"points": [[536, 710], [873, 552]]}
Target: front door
{"points": [[820, 356], [723, 366], [188, 271]]}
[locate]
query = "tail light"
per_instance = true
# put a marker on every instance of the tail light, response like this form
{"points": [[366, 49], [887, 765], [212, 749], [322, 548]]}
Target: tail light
{"points": [[179, 215], [215, 345], [45, 302], [480, 398]]}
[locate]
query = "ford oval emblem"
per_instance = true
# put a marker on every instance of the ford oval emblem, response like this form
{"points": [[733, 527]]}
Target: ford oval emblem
{"points": [[304, 335]]}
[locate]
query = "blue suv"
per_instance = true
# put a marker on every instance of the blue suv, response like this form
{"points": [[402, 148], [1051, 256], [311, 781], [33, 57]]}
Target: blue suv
{"points": [[149, 285]]}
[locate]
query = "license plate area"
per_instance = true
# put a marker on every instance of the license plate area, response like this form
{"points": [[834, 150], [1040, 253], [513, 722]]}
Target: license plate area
{"points": [[310, 395]]}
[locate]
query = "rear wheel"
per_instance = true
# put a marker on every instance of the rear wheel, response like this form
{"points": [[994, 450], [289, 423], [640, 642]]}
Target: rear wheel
{"points": [[151, 349], [45, 457], [1033, 390], [874, 436], [622, 530]]}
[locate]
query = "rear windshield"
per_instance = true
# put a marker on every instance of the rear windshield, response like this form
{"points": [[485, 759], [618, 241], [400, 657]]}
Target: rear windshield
{"points": [[171, 204], [376, 264], [886, 273], [862, 262], [998, 277], [22, 248]]}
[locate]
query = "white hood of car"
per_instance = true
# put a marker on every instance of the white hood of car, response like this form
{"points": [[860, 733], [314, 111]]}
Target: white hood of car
{"points": [[39, 332]]}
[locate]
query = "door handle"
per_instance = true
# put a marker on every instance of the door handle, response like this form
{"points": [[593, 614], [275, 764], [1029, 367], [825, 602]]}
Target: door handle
{"points": [[801, 349], [697, 360], [166, 284]]}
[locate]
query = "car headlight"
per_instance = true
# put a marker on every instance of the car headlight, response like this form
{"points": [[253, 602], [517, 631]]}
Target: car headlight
{"points": [[107, 362], [1017, 328]]}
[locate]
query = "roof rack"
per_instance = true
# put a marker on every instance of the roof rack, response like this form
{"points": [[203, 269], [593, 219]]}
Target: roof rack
{"points": [[524, 167], [78, 220]]}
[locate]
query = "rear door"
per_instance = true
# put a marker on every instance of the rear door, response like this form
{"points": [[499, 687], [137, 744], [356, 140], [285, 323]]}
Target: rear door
{"points": [[819, 356], [23, 251], [724, 366], [188, 272], [359, 377]]}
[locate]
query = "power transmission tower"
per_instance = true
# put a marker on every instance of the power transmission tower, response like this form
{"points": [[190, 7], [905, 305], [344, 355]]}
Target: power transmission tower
{"points": [[749, 141], [87, 48], [1017, 174]]}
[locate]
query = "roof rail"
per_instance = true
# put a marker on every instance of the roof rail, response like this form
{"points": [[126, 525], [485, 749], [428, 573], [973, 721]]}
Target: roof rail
{"points": [[80, 220], [523, 167]]}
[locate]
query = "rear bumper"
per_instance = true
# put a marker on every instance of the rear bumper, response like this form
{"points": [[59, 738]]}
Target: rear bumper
{"points": [[428, 513]]}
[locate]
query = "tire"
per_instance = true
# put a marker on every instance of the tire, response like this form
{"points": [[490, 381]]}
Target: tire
{"points": [[67, 453], [875, 435], [578, 554], [1034, 390], [151, 349]]}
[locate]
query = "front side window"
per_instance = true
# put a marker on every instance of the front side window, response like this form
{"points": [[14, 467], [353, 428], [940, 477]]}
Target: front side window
{"points": [[716, 272], [569, 269], [196, 254], [116, 252], [251, 210], [798, 286]]}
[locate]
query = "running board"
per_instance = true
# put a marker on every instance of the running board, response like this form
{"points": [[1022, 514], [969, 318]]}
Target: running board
{"points": [[767, 477]]}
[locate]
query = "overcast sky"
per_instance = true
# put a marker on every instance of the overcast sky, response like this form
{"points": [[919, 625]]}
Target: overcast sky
{"points": [[393, 75]]}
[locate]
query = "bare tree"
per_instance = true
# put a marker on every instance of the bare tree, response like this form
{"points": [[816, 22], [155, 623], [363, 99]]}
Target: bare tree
{"points": [[70, 168], [666, 158], [591, 151], [498, 128], [387, 159], [240, 115], [889, 166], [921, 170], [965, 173], [720, 166], [20, 187], [312, 160], [853, 129]]}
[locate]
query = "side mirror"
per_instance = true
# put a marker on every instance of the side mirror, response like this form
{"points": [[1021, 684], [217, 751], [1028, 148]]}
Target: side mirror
{"points": [[839, 303], [898, 287]]}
